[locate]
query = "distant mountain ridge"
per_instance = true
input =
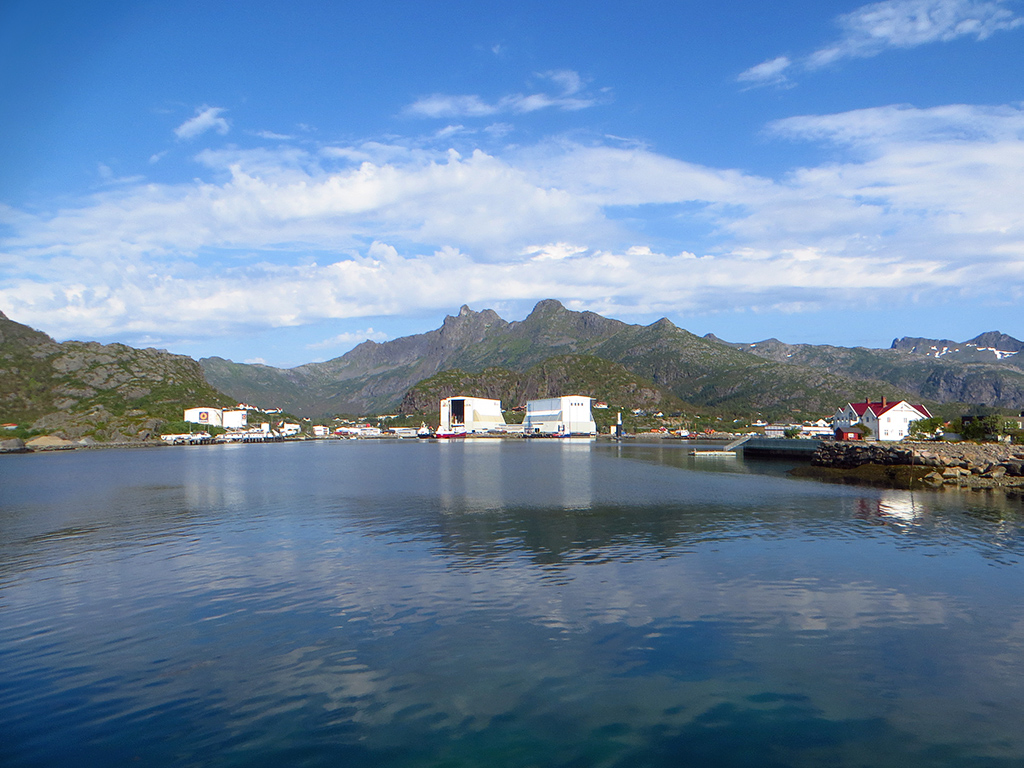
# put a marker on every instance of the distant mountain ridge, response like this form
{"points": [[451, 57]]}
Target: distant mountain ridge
{"points": [[985, 370], [991, 346]]}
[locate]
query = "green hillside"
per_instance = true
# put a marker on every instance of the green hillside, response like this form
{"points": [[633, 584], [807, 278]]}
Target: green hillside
{"points": [[85, 389], [565, 375]]}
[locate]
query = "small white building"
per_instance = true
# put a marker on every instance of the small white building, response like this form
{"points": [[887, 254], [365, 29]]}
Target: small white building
{"points": [[569, 415], [208, 417], [885, 420], [468, 415]]}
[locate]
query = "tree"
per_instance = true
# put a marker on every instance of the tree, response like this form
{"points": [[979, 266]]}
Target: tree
{"points": [[925, 426], [982, 427]]}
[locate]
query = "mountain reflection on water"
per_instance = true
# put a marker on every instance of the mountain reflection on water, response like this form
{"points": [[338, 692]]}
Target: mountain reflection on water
{"points": [[499, 603]]}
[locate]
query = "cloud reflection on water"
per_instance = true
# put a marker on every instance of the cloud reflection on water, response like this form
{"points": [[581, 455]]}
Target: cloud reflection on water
{"points": [[475, 596]]}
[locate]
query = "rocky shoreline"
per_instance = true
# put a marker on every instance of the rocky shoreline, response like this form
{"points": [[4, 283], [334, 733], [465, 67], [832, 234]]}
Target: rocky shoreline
{"points": [[50, 443], [937, 465]]}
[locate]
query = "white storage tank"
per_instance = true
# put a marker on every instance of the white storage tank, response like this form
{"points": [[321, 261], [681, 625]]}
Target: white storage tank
{"points": [[235, 419], [208, 417]]}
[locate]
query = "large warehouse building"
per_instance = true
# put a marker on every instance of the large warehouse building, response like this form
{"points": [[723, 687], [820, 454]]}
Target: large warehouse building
{"points": [[468, 415], [569, 415]]}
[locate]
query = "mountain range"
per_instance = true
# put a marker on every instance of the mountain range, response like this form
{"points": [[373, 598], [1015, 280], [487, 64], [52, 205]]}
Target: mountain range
{"points": [[768, 377], [114, 392]]}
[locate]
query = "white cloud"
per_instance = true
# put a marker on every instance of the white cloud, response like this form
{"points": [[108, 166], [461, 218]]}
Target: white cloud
{"points": [[273, 136], [349, 339], [206, 119], [925, 204], [569, 97], [442, 105], [871, 29], [770, 72], [107, 177], [894, 24]]}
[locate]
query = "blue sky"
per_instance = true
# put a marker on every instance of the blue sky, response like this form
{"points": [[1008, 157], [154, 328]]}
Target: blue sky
{"points": [[279, 181]]}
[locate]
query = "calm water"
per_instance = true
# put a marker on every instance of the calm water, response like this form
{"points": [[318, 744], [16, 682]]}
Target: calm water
{"points": [[373, 603]]}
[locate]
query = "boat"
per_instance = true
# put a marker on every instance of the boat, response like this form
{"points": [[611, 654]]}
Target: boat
{"points": [[717, 453], [423, 432]]}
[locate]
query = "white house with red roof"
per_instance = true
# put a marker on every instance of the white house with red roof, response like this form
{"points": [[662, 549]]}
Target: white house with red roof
{"points": [[885, 420]]}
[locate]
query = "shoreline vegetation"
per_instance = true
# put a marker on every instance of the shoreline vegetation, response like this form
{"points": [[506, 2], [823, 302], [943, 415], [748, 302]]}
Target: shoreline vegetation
{"points": [[907, 466]]}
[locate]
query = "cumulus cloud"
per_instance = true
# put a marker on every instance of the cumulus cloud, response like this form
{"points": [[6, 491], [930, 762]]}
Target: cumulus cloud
{"points": [[569, 96], [922, 203], [893, 24], [206, 119]]}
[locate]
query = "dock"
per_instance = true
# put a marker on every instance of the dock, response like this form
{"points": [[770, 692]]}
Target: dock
{"points": [[790, 448]]}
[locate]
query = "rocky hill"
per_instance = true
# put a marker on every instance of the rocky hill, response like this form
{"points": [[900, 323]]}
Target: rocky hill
{"points": [[705, 372], [84, 389]]}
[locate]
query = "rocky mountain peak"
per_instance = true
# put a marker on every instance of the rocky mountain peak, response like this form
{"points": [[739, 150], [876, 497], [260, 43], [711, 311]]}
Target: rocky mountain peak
{"points": [[546, 308], [997, 340]]}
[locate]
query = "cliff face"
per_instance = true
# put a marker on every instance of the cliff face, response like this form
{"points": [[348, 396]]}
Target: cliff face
{"points": [[85, 389]]}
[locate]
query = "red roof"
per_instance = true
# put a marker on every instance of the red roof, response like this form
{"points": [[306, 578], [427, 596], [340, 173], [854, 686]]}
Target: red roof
{"points": [[880, 408]]}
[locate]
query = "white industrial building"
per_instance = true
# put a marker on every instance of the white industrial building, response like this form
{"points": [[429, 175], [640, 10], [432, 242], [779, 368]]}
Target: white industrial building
{"points": [[208, 417], [235, 419], [218, 417], [569, 415], [466, 415]]}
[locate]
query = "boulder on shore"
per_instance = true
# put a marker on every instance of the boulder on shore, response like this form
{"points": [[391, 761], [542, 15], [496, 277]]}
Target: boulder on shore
{"points": [[13, 445]]}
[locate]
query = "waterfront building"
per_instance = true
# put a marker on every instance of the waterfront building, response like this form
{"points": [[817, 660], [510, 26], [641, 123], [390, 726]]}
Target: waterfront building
{"points": [[468, 415], [235, 418], [569, 415], [208, 417], [883, 420]]}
